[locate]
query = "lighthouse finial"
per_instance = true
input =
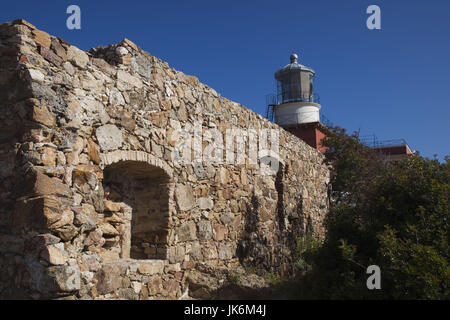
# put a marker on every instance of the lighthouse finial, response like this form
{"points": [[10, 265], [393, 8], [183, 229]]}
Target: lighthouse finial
{"points": [[294, 58]]}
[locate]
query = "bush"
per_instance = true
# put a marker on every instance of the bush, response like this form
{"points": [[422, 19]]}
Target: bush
{"points": [[391, 214]]}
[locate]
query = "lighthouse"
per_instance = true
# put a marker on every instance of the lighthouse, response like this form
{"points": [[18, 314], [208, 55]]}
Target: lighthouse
{"points": [[296, 106]]}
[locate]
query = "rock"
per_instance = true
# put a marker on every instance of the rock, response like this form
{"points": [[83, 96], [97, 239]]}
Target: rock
{"points": [[226, 251], [203, 284], [93, 153], [225, 194], [142, 66], [127, 294], [219, 232], [115, 97], [187, 265], [50, 56], [244, 177], [109, 256], [68, 67], [131, 44], [85, 215], [67, 232], [205, 203], [171, 286], [111, 206], [36, 75], [85, 178], [226, 217], [185, 197], [176, 254], [204, 230], [39, 212], [127, 121], [67, 278], [109, 137], [151, 267], [108, 229], [94, 107], [224, 176], [42, 115], [188, 95], [182, 113], [128, 79], [77, 56], [36, 244], [155, 286], [44, 185], [24, 22], [89, 263], [42, 38], [55, 254], [48, 156], [65, 218], [136, 286], [187, 231], [110, 278], [58, 49], [94, 238], [121, 51], [196, 252]]}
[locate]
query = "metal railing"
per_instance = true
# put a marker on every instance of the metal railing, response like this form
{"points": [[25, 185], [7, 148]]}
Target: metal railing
{"points": [[273, 100], [373, 142], [286, 97]]}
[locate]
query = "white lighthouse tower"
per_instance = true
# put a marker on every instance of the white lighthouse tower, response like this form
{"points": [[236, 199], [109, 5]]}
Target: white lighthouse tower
{"points": [[296, 101], [296, 107]]}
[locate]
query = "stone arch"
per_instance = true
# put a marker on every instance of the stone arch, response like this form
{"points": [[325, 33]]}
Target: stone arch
{"points": [[119, 155], [138, 190]]}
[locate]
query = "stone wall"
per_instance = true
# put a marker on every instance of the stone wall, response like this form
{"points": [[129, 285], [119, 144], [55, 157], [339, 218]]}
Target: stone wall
{"points": [[93, 204]]}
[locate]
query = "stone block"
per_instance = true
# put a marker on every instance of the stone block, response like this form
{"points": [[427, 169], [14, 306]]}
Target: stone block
{"points": [[204, 230], [42, 38], [184, 196], [111, 206], [151, 267], [77, 56], [55, 254], [109, 137], [67, 278], [176, 254], [187, 231], [41, 184], [226, 251], [110, 278], [220, 232], [205, 203], [40, 213]]}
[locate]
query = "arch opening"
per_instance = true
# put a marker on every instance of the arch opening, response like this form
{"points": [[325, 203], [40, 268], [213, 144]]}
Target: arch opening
{"points": [[141, 191]]}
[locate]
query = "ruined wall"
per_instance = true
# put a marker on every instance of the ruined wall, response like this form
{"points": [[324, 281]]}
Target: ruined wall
{"points": [[93, 204]]}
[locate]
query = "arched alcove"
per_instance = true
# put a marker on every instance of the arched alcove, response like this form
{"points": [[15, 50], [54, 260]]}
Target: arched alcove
{"points": [[142, 191]]}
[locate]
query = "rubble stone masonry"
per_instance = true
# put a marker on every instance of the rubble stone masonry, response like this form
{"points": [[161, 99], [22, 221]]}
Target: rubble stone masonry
{"points": [[93, 205]]}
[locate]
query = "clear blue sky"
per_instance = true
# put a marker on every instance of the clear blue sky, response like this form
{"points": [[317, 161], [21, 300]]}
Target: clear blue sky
{"points": [[393, 82]]}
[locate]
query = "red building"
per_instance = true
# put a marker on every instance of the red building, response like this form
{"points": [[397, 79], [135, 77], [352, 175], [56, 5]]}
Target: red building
{"points": [[312, 133]]}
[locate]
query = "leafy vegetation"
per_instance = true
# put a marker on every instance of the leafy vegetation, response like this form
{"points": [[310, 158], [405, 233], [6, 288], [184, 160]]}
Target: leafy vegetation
{"points": [[272, 278], [234, 278], [391, 214]]}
